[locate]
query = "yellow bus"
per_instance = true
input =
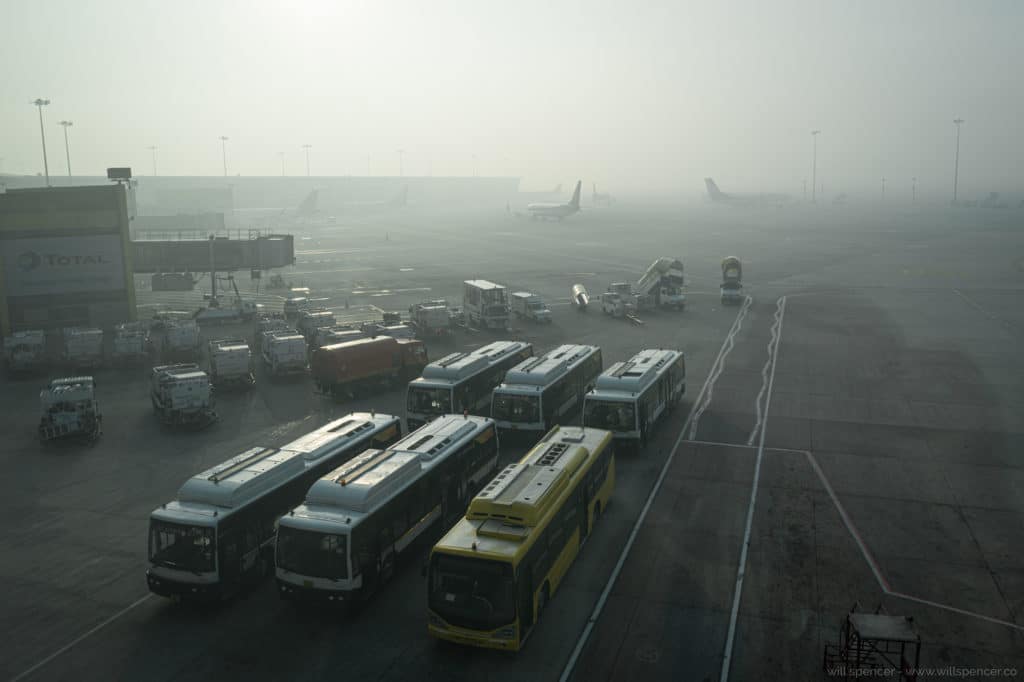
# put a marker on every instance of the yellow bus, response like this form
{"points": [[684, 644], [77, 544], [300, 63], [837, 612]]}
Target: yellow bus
{"points": [[492, 574]]}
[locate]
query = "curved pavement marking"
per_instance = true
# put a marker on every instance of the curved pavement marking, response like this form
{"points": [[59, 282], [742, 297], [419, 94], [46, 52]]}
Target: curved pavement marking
{"points": [[570, 666], [741, 570], [716, 369]]}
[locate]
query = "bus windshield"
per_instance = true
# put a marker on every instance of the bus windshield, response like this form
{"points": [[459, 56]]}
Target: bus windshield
{"points": [[516, 408], [430, 400], [320, 555], [187, 548], [472, 593], [614, 416]]}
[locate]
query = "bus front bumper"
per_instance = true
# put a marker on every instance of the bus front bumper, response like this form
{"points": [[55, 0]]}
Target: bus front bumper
{"points": [[174, 589], [302, 594], [504, 638]]}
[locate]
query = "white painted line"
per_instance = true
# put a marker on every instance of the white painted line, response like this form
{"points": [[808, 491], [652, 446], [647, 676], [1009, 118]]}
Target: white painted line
{"points": [[741, 569], [81, 637], [954, 609], [599, 606], [865, 552]]}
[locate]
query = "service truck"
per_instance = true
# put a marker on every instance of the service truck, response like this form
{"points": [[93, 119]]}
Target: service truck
{"points": [[325, 336], [268, 324], [179, 340], [25, 351], [231, 363], [395, 331], [732, 285], [83, 347], [70, 409], [181, 394], [284, 352], [531, 306], [224, 313], [311, 320], [367, 364], [430, 319], [130, 345], [485, 304]]}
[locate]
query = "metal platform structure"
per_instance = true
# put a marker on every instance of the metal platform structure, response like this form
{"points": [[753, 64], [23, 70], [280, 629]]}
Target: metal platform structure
{"points": [[874, 645]]}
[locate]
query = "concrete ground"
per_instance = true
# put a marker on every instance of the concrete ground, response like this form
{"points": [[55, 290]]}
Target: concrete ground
{"points": [[871, 386]]}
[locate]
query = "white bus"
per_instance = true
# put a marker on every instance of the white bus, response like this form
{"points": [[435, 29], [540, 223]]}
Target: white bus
{"points": [[217, 536], [462, 382], [543, 391], [631, 396], [362, 519]]}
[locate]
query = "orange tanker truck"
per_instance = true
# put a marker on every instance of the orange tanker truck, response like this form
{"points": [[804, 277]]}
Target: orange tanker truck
{"points": [[354, 367]]}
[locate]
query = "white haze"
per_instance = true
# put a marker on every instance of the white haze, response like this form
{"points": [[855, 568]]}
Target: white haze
{"points": [[635, 96]]}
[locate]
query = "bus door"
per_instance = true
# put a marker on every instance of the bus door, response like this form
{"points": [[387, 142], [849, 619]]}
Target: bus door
{"points": [[525, 584], [584, 500]]}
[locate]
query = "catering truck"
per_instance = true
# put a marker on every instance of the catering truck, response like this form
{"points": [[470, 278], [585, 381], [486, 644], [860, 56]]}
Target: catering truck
{"points": [[130, 344], [732, 286], [70, 409], [430, 319], [231, 363], [25, 351], [485, 304], [284, 352], [181, 394], [355, 366], [83, 347]]}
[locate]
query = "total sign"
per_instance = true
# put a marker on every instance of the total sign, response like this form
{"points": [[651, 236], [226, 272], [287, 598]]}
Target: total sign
{"points": [[63, 265]]}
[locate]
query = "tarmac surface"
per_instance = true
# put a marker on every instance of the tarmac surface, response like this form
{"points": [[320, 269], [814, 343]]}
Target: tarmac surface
{"points": [[853, 434]]}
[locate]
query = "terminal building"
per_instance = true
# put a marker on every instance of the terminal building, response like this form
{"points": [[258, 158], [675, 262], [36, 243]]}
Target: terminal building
{"points": [[65, 257]]}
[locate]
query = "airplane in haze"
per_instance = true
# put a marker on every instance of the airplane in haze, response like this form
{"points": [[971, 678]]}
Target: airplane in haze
{"points": [[307, 208], [719, 197], [557, 211]]}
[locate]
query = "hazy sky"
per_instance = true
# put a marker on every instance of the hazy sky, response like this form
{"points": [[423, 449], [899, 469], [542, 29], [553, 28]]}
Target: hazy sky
{"points": [[633, 95]]}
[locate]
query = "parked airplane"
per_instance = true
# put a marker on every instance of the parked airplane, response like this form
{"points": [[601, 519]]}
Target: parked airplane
{"points": [[557, 211], [719, 197], [307, 208]]}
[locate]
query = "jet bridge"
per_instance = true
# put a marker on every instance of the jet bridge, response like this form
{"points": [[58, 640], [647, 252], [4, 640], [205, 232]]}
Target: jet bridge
{"points": [[196, 252]]}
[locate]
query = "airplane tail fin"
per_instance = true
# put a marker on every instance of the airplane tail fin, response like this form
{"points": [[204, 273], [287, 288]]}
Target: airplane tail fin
{"points": [[713, 191], [575, 201], [308, 205]]}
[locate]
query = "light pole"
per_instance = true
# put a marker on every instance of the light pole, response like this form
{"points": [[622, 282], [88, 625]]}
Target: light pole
{"points": [[67, 148], [224, 152], [805, 190], [883, 189], [913, 190], [400, 153], [46, 164], [152, 149], [281, 154], [307, 147], [956, 161], [814, 168], [474, 165]]}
